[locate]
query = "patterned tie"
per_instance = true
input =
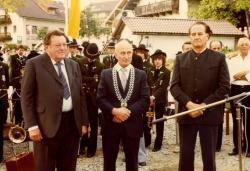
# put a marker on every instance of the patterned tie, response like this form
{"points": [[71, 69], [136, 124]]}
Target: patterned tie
{"points": [[66, 93], [123, 77]]}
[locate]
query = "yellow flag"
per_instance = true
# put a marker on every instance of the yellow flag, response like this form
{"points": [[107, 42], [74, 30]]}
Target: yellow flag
{"points": [[74, 19]]}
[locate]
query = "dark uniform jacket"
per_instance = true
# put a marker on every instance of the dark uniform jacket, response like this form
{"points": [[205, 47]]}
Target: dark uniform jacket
{"points": [[16, 65], [4, 83], [91, 73], [109, 61], [158, 81], [200, 79], [147, 66]]}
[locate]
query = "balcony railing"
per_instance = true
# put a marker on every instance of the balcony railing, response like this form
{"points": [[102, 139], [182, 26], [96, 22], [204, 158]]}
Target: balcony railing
{"points": [[5, 37], [155, 8], [5, 19]]}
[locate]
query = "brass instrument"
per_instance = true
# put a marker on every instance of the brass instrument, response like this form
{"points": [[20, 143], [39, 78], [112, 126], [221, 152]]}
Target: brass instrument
{"points": [[150, 117], [17, 134]]}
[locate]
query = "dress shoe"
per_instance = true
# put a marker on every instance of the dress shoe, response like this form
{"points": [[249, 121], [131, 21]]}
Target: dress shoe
{"points": [[233, 153], [90, 155], [82, 152], [142, 163], [156, 149], [248, 155]]}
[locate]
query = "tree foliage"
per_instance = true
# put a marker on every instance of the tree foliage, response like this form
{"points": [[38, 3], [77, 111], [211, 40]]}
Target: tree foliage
{"points": [[42, 32], [11, 5], [234, 11], [91, 26]]}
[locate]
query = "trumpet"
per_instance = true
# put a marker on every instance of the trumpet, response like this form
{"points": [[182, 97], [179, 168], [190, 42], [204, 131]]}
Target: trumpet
{"points": [[150, 117], [17, 134]]}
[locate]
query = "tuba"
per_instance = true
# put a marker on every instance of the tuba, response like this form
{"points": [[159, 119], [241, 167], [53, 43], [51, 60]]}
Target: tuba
{"points": [[17, 134]]}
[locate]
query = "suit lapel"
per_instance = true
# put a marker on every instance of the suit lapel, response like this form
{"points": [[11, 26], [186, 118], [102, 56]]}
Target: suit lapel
{"points": [[69, 70], [50, 68]]}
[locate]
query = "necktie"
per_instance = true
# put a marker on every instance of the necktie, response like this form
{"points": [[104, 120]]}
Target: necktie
{"points": [[123, 77], [66, 93]]}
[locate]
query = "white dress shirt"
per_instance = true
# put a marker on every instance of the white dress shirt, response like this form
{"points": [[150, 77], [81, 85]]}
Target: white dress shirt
{"points": [[236, 65]]}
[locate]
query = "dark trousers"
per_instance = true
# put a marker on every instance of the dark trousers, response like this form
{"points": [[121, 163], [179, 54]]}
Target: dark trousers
{"points": [[3, 112], [159, 111], [60, 151], [236, 89], [17, 110], [208, 137], [111, 148], [220, 133], [146, 130], [90, 141]]}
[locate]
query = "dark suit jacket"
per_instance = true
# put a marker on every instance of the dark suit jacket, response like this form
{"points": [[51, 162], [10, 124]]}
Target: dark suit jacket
{"points": [[42, 95], [138, 104], [205, 79]]}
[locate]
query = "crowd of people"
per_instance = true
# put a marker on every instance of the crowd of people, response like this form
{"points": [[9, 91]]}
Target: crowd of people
{"points": [[65, 93]]}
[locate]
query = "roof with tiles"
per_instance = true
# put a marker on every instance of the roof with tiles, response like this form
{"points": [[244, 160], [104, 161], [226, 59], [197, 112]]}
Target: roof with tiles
{"points": [[34, 9], [139, 25]]}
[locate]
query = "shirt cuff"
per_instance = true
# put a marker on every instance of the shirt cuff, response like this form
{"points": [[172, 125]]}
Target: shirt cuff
{"points": [[33, 128]]}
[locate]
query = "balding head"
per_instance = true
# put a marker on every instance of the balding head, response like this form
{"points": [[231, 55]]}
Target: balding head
{"points": [[123, 52], [243, 46]]}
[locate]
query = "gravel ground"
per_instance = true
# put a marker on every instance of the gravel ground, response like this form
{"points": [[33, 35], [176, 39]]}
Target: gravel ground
{"points": [[163, 160]]}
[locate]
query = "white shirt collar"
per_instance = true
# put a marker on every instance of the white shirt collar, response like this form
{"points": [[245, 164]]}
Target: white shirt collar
{"points": [[118, 67], [54, 62]]}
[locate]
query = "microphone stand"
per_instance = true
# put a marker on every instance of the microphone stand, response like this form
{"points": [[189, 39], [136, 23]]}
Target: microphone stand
{"points": [[238, 117]]}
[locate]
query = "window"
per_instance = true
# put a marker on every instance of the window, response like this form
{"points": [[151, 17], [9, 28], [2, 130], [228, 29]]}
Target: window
{"points": [[5, 29], [14, 28], [28, 29], [34, 29]]}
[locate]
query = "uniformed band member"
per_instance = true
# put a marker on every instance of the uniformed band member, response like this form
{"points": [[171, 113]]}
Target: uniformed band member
{"points": [[200, 77], [158, 80], [142, 51], [17, 63], [4, 85], [91, 69], [109, 61], [73, 50]]}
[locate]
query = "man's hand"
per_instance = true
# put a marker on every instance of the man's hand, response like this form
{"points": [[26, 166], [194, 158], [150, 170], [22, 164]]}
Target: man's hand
{"points": [[190, 105], [121, 113], [116, 120], [35, 135], [240, 75], [84, 129]]}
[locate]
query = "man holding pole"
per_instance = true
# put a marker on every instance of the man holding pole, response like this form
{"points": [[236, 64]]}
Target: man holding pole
{"points": [[200, 77]]}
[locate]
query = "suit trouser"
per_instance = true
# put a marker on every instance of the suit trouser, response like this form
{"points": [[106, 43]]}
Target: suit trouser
{"points": [[142, 156], [91, 140], [60, 151], [111, 148], [159, 111], [236, 89], [2, 113], [220, 134], [17, 110], [208, 137]]}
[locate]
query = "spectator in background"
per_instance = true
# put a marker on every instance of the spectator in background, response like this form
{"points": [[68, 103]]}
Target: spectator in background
{"points": [[240, 82], [217, 45], [187, 46]]}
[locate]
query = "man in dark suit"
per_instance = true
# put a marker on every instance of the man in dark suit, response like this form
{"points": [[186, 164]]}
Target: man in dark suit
{"points": [[17, 63], [200, 77], [123, 97], [54, 106], [4, 85]]}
